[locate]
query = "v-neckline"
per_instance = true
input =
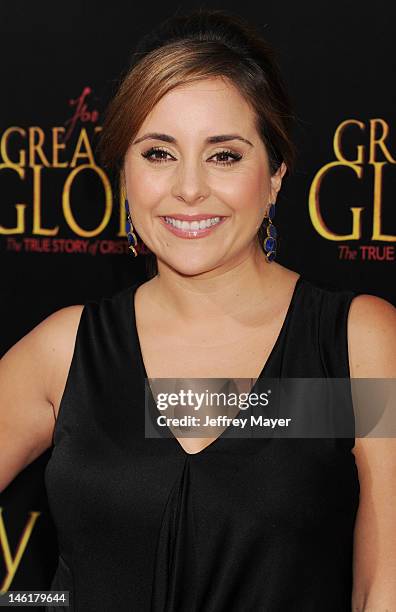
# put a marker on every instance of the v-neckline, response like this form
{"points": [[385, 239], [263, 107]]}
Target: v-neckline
{"points": [[131, 294]]}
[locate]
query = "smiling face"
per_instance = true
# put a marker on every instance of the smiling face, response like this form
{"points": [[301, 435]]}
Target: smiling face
{"points": [[199, 156]]}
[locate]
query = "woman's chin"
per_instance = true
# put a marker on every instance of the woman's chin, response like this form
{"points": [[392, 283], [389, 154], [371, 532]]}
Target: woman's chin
{"points": [[192, 266]]}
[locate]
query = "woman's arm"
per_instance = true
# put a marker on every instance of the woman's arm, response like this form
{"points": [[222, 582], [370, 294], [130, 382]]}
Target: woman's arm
{"points": [[372, 354], [33, 375]]}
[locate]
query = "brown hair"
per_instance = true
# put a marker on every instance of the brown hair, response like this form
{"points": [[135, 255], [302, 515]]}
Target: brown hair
{"points": [[183, 49]]}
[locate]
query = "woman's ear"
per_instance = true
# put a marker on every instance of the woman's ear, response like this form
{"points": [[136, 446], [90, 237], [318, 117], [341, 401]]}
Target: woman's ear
{"points": [[276, 181]]}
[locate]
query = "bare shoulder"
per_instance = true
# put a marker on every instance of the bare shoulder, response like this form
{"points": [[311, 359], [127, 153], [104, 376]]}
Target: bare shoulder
{"points": [[372, 337], [372, 354], [44, 354], [57, 335], [33, 373]]}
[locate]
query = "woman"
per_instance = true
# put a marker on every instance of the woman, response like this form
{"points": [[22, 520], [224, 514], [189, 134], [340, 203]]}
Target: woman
{"points": [[200, 129]]}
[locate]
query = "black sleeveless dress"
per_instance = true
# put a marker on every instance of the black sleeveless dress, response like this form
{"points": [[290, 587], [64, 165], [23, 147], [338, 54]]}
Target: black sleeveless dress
{"points": [[245, 525]]}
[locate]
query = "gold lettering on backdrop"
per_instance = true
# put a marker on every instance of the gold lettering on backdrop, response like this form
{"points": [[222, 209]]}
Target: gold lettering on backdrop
{"points": [[67, 207], [68, 148], [56, 146], [36, 147], [4, 147], [377, 235], [378, 172], [121, 210], [377, 146], [20, 208], [380, 141], [37, 228], [36, 142], [11, 563], [337, 142], [21, 149], [314, 204], [83, 141]]}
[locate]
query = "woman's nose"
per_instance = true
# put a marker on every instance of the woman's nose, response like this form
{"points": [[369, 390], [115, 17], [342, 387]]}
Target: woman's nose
{"points": [[190, 183]]}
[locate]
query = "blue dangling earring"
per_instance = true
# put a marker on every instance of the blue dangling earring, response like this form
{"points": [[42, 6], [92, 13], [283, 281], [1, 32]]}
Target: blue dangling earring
{"points": [[132, 240], [270, 241]]}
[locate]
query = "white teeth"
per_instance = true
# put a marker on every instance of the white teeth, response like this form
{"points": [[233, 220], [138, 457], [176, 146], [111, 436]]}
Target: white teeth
{"points": [[194, 225]]}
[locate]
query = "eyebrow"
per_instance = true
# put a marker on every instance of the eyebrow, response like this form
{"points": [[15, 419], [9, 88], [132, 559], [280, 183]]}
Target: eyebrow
{"points": [[210, 139]]}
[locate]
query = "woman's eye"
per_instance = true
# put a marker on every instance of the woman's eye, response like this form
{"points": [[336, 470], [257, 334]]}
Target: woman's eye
{"points": [[156, 155], [226, 158]]}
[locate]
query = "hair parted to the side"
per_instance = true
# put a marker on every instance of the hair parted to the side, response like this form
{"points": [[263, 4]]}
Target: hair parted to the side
{"points": [[203, 44]]}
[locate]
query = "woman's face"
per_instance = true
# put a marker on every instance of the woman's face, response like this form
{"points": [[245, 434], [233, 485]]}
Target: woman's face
{"points": [[199, 156]]}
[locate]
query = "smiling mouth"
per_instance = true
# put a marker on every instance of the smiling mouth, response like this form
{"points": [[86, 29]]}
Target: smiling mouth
{"points": [[192, 229]]}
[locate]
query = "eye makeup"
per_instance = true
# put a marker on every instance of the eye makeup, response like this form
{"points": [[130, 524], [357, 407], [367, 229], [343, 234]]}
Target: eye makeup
{"points": [[235, 157]]}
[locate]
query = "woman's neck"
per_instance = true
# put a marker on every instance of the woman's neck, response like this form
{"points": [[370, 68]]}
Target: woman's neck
{"points": [[218, 292]]}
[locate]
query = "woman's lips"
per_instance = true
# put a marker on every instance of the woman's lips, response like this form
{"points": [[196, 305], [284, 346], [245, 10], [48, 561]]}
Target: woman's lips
{"points": [[192, 233]]}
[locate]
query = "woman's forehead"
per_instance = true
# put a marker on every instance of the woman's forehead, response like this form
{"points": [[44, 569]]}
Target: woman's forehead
{"points": [[208, 107]]}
